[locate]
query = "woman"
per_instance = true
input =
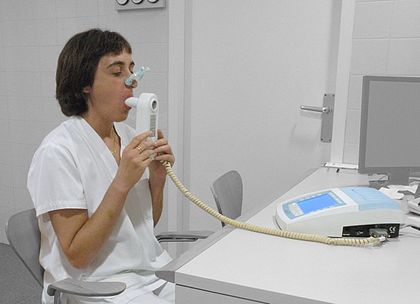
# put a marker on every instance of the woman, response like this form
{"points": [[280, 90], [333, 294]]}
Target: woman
{"points": [[97, 187]]}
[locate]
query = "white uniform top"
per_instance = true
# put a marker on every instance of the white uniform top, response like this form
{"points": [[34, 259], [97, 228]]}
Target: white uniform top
{"points": [[73, 168]]}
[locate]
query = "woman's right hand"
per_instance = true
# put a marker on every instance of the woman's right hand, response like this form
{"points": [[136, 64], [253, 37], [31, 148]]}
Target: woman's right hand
{"points": [[134, 160]]}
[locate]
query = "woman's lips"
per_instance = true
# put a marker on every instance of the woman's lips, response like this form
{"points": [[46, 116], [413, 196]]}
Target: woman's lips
{"points": [[127, 107]]}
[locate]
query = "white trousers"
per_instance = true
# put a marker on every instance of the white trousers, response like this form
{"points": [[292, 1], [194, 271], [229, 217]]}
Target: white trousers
{"points": [[165, 294]]}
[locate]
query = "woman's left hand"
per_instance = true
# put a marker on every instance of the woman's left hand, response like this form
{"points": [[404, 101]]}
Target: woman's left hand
{"points": [[163, 152]]}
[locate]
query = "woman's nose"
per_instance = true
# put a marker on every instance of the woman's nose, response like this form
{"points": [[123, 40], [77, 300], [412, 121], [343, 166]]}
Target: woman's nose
{"points": [[132, 84]]}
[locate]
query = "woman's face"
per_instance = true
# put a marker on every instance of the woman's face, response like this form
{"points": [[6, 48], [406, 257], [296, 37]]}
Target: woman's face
{"points": [[107, 95]]}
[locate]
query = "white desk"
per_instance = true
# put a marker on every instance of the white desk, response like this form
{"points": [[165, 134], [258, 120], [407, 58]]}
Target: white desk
{"points": [[237, 267]]}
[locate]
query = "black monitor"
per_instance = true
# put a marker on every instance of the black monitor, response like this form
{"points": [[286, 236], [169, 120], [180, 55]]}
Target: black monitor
{"points": [[390, 127]]}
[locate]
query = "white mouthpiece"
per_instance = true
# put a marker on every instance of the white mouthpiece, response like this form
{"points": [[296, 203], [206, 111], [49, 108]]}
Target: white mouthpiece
{"points": [[131, 102]]}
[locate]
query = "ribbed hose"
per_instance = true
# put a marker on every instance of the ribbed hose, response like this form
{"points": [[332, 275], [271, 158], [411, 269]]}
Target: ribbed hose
{"points": [[266, 230]]}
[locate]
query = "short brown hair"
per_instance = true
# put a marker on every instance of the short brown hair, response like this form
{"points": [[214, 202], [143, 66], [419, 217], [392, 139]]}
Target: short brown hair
{"points": [[77, 64]]}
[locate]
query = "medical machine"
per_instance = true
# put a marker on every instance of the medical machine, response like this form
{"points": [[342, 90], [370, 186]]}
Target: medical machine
{"points": [[353, 212], [146, 114], [341, 212], [389, 128]]}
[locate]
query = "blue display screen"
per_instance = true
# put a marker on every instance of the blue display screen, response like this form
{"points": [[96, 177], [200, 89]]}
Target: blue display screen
{"points": [[316, 203]]}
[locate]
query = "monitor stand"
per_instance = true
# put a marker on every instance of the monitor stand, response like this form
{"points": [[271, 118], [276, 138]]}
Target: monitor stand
{"points": [[399, 176], [396, 176]]}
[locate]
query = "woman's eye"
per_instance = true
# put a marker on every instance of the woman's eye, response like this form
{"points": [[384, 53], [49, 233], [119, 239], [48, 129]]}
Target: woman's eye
{"points": [[116, 74]]}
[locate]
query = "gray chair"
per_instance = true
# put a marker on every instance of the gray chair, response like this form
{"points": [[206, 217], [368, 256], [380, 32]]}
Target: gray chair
{"points": [[24, 237], [183, 236], [227, 192]]}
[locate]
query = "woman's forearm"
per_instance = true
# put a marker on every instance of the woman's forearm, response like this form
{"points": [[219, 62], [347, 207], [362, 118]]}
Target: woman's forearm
{"points": [[157, 186]]}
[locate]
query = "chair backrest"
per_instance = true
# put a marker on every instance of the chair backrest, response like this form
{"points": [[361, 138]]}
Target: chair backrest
{"points": [[24, 237], [227, 191]]}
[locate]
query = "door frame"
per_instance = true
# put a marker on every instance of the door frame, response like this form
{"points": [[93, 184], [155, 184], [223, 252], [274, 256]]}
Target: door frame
{"points": [[342, 80]]}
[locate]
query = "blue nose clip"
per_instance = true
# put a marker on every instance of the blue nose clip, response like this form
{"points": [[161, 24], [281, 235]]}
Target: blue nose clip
{"points": [[136, 77]]}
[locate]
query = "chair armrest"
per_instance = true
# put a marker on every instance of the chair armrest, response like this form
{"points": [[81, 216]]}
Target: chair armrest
{"points": [[183, 236], [88, 289]]}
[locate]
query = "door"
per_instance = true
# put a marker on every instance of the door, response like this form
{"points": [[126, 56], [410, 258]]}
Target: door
{"points": [[249, 65]]}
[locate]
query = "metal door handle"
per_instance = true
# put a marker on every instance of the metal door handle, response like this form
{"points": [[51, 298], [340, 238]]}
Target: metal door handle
{"points": [[327, 116], [325, 110]]}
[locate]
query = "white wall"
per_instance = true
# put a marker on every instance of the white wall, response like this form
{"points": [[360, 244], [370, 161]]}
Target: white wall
{"points": [[386, 41], [32, 33]]}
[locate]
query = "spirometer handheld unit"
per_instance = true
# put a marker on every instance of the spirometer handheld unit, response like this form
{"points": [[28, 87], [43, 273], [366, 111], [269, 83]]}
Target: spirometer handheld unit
{"points": [[341, 212], [147, 113]]}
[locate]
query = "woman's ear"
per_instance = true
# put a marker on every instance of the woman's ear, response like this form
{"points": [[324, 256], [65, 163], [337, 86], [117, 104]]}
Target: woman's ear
{"points": [[86, 90]]}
